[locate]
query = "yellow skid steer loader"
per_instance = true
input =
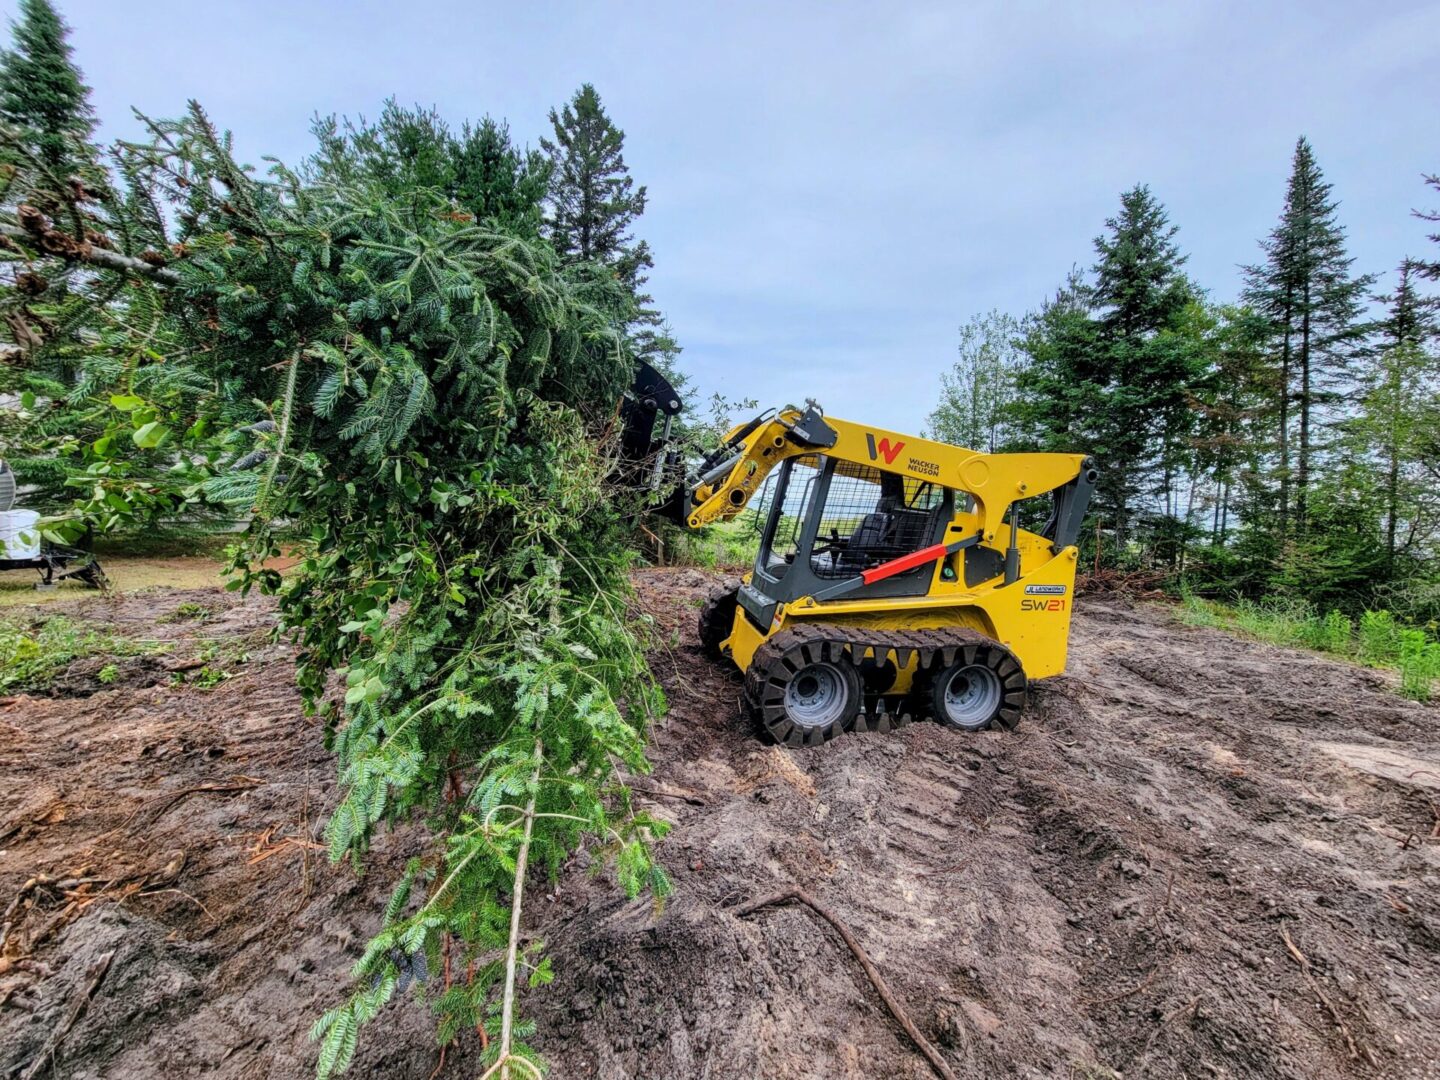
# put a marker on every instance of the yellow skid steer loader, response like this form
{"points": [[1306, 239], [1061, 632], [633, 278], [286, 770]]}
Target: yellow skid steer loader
{"points": [[894, 577]]}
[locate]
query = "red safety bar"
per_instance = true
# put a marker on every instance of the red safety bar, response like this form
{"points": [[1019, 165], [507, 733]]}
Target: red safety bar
{"points": [[905, 562]]}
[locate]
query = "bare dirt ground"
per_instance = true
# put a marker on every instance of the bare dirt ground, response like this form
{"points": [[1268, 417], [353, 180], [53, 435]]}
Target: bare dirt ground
{"points": [[1199, 857]]}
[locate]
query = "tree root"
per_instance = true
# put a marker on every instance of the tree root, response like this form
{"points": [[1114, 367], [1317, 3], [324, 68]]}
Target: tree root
{"points": [[1350, 1043], [82, 1000], [799, 895]]}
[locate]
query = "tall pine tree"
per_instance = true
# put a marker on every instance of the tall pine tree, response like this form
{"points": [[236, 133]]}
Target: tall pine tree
{"points": [[1112, 367], [42, 93], [1305, 290], [593, 206], [593, 199]]}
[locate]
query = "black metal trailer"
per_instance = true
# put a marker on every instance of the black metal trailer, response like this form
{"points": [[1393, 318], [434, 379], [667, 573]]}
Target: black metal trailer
{"points": [[56, 564]]}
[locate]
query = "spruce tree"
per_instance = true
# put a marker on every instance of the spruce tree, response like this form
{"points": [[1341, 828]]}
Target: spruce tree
{"points": [[1233, 400], [1391, 420], [1142, 295], [42, 93], [1306, 291], [593, 205], [593, 199], [1430, 268], [1112, 366]]}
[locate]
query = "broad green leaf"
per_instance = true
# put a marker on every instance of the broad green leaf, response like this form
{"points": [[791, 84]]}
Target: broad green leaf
{"points": [[148, 436]]}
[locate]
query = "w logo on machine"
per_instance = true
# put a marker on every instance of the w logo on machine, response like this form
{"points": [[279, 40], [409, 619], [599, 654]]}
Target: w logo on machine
{"points": [[885, 449]]}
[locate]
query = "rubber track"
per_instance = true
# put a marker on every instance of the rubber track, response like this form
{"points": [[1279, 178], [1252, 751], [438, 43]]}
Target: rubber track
{"points": [[936, 649], [717, 616]]}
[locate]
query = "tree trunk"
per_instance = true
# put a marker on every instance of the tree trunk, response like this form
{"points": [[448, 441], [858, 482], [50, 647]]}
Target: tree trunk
{"points": [[1285, 362], [1302, 471], [1392, 503]]}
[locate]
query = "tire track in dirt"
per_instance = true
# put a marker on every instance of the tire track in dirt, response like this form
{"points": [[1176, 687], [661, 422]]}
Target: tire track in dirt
{"points": [[1106, 891], [1103, 892]]}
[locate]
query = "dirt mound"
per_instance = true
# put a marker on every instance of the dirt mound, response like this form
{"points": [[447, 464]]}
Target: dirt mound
{"points": [[1199, 856]]}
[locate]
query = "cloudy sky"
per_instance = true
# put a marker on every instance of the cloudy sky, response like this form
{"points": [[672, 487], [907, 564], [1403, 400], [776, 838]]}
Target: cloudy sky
{"points": [[835, 187]]}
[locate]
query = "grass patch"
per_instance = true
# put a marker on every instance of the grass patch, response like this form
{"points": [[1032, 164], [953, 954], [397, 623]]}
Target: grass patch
{"points": [[31, 656], [1379, 640], [127, 574], [726, 544]]}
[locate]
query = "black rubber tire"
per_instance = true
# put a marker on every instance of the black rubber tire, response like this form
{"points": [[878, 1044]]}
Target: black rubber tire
{"points": [[779, 661], [1000, 660], [717, 617]]}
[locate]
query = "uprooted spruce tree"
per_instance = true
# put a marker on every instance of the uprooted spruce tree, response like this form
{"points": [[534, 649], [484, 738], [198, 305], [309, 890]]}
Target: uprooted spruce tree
{"points": [[422, 400]]}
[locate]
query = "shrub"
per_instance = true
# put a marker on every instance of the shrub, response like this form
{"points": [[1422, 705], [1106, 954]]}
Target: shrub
{"points": [[1331, 634], [1419, 664], [1379, 637], [1277, 619]]}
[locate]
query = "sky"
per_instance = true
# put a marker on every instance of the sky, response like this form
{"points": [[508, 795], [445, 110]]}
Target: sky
{"points": [[836, 187]]}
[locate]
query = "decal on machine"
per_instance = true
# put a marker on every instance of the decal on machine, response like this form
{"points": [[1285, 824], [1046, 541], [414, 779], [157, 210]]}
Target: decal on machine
{"points": [[1052, 598], [886, 449], [1042, 605]]}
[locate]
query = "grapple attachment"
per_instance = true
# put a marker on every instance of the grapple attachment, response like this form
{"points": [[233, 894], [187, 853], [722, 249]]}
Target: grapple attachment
{"points": [[647, 458]]}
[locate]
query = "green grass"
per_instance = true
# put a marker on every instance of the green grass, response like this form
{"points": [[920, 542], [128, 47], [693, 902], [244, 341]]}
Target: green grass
{"points": [[727, 544], [1379, 640], [32, 654]]}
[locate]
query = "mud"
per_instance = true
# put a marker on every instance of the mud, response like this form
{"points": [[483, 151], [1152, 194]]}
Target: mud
{"points": [[1198, 857]]}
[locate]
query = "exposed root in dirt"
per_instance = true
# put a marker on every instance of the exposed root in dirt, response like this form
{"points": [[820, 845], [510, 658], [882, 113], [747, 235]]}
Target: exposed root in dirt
{"points": [[800, 896]]}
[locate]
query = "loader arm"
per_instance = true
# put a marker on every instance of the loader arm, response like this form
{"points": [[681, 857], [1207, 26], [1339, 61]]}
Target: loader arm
{"points": [[994, 482]]}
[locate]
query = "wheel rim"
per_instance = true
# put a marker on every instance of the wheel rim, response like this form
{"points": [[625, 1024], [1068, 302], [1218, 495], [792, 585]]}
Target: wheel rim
{"points": [[816, 696], [972, 696]]}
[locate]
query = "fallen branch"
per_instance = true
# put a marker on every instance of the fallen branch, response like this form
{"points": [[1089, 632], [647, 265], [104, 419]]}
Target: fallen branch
{"points": [[37, 1066], [8, 920], [186, 895], [664, 792], [799, 895]]}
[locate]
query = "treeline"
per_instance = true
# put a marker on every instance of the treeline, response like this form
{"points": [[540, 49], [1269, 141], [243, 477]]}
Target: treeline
{"points": [[1288, 441]]}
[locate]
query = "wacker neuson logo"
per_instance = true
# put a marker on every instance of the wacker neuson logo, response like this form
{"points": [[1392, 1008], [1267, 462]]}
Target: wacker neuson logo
{"points": [[1044, 590]]}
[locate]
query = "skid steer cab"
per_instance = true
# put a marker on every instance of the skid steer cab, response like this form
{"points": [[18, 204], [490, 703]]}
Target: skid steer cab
{"points": [[897, 577]]}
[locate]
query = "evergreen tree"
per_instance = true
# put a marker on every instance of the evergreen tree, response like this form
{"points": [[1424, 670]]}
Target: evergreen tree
{"points": [[593, 199], [1430, 268], [1306, 291], [427, 401], [42, 93], [1410, 317], [593, 205], [1233, 401], [1112, 366], [1143, 295], [409, 152]]}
